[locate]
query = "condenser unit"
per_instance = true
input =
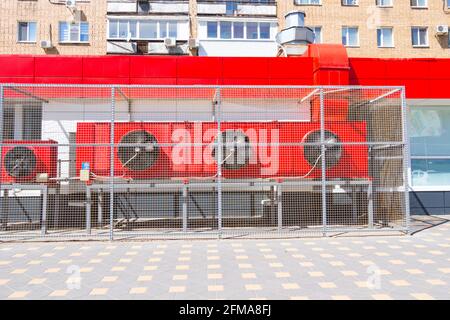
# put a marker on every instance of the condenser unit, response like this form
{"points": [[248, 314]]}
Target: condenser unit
{"points": [[442, 29], [46, 44], [26, 161], [170, 42]]}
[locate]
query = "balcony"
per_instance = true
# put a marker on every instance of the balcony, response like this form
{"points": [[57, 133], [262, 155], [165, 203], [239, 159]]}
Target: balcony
{"points": [[148, 7], [237, 7]]}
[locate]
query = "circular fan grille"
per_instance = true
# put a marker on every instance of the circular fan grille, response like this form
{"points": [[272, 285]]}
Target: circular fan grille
{"points": [[140, 156], [236, 149], [333, 152], [20, 162]]}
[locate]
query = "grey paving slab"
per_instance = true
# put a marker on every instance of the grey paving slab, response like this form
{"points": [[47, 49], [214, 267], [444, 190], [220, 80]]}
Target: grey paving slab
{"points": [[375, 267]]}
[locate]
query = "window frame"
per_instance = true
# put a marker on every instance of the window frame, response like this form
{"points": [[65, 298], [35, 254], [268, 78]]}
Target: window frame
{"points": [[357, 45], [390, 5], [346, 3], [69, 25], [244, 30], [416, 6], [163, 23], [392, 37], [28, 32], [427, 45]]}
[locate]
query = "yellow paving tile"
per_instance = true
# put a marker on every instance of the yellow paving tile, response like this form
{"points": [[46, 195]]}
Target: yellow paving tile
{"points": [[19, 255], [337, 263], [98, 292], [349, 273], [18, 271], [316, 274], [400, 283], [253, 287], [306, 264], [144, 278], [214, 266], [214, 251], [245, 266], [248, 275], [110, 279], [210, 258], [215, 288], [382, 254], [422, 296], [326, 255], [75, 254], [182, 267], [37, 281], [436, 282], [125, 260], [276, 265], [131, 253], [4, 281], [184, 259], [65, 261], [185, 251], [34, 262], [341, 297], [298, 256], [177, 289], [381, 296], [362, 284], [18, 294], [327, 285], [154, 259], [158, 252], [59, 293], [270, 256], [436, 252], [103, 254], [4, 262], [384, 272], [290, 286], [178, 277], [414, 271], [52, 270], [397, 262], [215, 276], [282, 274], [366, 262], [241, 257], [94, 261], [186, 246], [86, 270], [150, 268], [408, 253], [426, 261], [138, 290], [117, 268], [444, 270]]}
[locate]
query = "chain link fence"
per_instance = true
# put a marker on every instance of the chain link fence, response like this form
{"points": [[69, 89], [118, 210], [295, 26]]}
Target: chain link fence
{"points": [[118, 162]]}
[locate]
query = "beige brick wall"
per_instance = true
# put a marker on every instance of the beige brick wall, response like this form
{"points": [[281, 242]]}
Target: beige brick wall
{"points": [[331, 15], [47, 17]]}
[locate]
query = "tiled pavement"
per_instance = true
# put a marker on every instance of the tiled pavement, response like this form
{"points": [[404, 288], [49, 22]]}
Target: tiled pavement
{"points": [[388, 267]]}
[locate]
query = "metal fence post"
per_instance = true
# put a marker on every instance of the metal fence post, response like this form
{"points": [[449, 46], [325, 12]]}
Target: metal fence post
{"points": [[219, 164], [406, 156], [111, 185], [323, 163], [1, 131]]}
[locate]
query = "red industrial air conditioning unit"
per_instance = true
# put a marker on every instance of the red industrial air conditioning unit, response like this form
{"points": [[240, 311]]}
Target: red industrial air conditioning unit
{"points": [[249, 149], [24, 160]]}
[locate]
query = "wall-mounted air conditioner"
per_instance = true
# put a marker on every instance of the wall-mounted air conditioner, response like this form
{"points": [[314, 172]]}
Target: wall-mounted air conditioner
{"points": [[442, 29], [46, 44], [71, 4], [193, 43], [143, 6], [170, 42]]}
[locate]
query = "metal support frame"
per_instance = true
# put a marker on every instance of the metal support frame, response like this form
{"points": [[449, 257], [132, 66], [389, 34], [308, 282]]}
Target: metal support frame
{"points": [[406, 159], [219, 165], [185, 207], [279, 207], [323, 163], [111, 183], [44, 192]]}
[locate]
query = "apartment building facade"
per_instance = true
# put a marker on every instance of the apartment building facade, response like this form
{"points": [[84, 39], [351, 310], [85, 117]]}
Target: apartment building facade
{"points": [[378, 28], [368, 28], [53, 27]]}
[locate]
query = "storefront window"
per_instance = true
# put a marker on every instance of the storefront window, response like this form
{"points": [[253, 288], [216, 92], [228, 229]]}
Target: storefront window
{"points": [[430, 145]]}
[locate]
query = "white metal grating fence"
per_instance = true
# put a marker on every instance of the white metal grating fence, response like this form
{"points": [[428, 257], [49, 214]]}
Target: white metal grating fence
{"points": [[201, 161]]}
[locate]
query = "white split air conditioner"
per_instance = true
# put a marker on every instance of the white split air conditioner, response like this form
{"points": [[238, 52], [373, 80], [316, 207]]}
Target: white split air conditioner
{"points": [[442, 29], [193, 43], [46, 44], [71, 3], [170, 42]]}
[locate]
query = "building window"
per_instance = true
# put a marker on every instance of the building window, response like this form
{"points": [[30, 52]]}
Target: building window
{"points": [[231, 7], [146, 29], [264, 30], [317, 34], [211, 29], [419, 36], [22, 122], [430, 145], [73, 32], [385, 38], [307, 2], [419, 3], [252, 30], [385, 3], [238, 30], [26, 32], [349, 2], [225, 29], [350, 36]]}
